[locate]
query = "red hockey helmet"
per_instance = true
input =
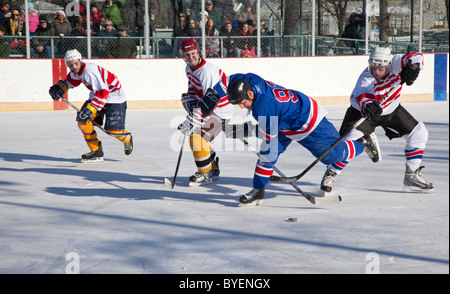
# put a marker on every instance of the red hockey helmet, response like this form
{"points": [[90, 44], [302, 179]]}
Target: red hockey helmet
{"points": [[189, 44]]}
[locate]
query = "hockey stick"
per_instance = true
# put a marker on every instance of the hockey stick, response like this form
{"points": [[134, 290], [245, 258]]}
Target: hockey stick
{"points": [[284, 179], [168, 182], [94, 122], [313, 199]]}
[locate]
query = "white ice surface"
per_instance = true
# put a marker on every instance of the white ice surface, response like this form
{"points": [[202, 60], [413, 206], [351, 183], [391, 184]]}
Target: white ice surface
{"points": [[118, 216]]}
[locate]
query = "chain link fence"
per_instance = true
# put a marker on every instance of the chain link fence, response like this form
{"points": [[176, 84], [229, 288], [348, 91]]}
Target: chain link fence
{"points": [[116, 28]]}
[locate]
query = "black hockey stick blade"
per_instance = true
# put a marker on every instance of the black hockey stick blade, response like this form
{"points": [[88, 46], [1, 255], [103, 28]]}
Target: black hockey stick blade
{"points": [[168, 182]]}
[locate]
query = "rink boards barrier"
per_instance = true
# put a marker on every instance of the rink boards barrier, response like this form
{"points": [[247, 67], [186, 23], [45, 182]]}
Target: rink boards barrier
{"points": [[158, 83]]}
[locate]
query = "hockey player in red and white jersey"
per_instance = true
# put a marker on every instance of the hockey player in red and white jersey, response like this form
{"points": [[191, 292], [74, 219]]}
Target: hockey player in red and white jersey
{"points": [[107, 100], [202, 75], [384, 72]]}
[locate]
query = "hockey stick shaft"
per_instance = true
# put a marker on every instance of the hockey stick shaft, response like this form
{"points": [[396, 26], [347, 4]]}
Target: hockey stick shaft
{"points": [[283, 179], [178, 162], [309, 198], [94, 122]]}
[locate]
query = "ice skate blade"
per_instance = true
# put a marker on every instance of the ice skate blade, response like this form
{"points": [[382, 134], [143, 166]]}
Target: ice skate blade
{"points": [[253, 203], [417, 190], [93, 160], [204, 183]]}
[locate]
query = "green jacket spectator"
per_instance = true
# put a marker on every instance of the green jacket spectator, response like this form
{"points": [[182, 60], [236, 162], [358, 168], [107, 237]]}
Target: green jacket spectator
{"points": [[112, 10], [121, 47]]}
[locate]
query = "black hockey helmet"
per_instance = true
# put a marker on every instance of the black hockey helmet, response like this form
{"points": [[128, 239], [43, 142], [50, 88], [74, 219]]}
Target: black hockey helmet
{"points": [[237, 91]]}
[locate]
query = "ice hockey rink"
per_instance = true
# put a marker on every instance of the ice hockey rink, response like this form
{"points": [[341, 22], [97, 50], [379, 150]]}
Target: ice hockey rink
{"points": [[60, 216]]}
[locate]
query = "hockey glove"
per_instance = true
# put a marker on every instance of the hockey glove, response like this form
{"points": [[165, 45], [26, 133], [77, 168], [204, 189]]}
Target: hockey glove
{"points": [[410, 72], [372, 110], [58, 90], [239, 131], [209, 102], [189, 101], [87, 113], [192, 124]]}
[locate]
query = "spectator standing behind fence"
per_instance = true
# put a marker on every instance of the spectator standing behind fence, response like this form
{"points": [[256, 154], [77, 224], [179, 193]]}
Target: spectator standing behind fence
{"points": [[247, 15], [225, 9], [62, 28], [5, 44], [246, 45], [61, 24], [14, 24], [212, 40], [266, 43], [121, 47], [229, 43], [178, 31], [112, 10], [41, 47], [355, 29], [104, 36], [34, 18], [209, 7], [95, 19], [5, 11]]}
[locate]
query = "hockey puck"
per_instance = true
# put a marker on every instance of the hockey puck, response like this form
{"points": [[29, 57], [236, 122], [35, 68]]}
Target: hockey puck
{"points": [[292, 219]]}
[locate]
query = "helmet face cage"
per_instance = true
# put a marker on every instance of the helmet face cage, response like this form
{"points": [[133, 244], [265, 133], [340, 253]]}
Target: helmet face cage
{"points": [[380, 56], [237, 91]]}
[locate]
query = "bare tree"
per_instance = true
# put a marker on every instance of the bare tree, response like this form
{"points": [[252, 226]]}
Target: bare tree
{"points": [[338, 9], [384, 21]]}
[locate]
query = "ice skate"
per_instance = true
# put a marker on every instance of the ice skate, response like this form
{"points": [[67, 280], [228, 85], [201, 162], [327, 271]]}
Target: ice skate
{"points": [[414, 183], [371, 146], [93, 156], [328, 180], [202, 179], [253, 198], [128, 147]]}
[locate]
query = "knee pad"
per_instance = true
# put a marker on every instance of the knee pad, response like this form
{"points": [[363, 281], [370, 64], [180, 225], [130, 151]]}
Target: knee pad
{"points": [[417, 138]]}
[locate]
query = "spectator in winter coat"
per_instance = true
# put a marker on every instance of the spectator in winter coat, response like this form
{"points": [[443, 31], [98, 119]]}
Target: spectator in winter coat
{"points": [[229, 44], [41, 47], [5, 44], [247, 15], [212, 42], [34, 18], [209, 7], [355, 29], [121, 47], [61, 24], [14, 24], [112, 10]]}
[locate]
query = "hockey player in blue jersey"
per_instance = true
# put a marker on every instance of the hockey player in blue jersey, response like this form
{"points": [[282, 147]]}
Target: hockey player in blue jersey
{"points": [[283, 116]]}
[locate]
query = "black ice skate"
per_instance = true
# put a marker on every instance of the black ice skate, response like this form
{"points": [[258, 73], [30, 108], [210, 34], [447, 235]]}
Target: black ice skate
{"points": [[371, 146], [253, 198], [128, 147], [94, 156], [202, 179], [327, 181], [414, 183]]}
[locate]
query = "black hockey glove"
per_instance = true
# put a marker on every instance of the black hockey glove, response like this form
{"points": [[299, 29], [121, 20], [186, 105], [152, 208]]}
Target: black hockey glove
{"points": [[58, 90], [372, 110], [209, 102], [239, 131], [189, 101], [87, 113], [410, 72]]}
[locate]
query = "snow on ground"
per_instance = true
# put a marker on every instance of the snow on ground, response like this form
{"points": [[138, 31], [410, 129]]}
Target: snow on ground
{"points": [[117, 217]]}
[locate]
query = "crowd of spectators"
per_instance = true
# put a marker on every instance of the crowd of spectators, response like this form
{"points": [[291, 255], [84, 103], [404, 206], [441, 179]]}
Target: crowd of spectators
{"points": [[235, 22], [228, 24]]}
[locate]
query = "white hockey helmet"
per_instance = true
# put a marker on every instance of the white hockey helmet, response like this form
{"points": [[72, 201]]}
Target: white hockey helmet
{"points": [[72, 55], [380, 56]]}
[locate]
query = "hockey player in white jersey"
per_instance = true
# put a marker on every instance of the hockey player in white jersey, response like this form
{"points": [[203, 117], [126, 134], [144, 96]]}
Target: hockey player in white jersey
{"points": [[107, 100], [202, 75], [383, 74]]}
